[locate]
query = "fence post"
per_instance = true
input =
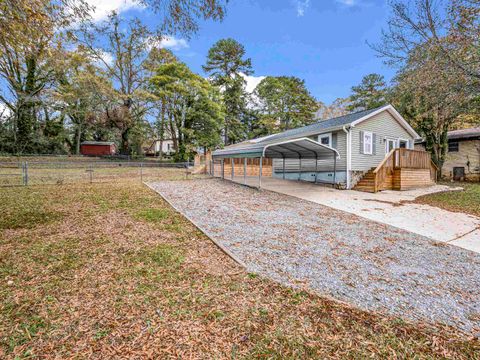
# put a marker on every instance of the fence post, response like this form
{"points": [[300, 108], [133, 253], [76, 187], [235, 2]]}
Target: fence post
{"points": [[26, 173]]}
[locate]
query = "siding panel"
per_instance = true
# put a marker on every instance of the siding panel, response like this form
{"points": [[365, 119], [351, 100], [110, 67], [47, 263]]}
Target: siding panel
{"points": [[382, 125]]}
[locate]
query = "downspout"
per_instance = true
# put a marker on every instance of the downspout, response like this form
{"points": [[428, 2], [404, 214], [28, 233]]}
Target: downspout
{"points": [[349, 155]]}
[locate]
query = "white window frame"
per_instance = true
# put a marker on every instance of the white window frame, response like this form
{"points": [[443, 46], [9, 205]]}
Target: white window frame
{"points": [[370, 152], [329, 135], [395, 143], [407, 146]]}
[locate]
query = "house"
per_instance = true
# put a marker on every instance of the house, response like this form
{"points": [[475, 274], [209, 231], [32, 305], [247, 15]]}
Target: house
{"points": [[166, 147], [97, 148], [462, 161], [368, 150]]}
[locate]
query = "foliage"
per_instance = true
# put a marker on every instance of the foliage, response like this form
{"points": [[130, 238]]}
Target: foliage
{"points": [[225, 65], [369, 94], [284, 103], [436, 46], [192, 111]]}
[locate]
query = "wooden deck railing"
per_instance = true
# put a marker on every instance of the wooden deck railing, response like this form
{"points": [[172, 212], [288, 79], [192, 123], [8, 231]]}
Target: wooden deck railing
{"points": [[402, 158], [384, 170]]}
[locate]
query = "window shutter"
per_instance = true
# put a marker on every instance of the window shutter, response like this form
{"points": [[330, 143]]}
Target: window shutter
{"points": [[334, 140], [374, 144], [361, 142]]}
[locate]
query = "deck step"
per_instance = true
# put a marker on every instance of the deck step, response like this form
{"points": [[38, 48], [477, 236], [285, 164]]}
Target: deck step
{"points": [[367, 182]]}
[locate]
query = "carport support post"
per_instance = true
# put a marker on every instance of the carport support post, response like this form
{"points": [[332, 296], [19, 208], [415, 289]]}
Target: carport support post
{"points": [[300, 169], [283, 166], [260, 173], [244, 171], [316, 167]]}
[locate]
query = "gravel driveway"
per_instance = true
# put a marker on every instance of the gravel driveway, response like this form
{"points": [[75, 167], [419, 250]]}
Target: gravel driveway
{"points": [[371, 265]]}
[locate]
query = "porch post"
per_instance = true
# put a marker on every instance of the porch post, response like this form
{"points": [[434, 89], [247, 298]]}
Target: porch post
{"points": [[260, 173], [316, 167], [283, 167], [232, 163], [334, 168], [245, 171]]}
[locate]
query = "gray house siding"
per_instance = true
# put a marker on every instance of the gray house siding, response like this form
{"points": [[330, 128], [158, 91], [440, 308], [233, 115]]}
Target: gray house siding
{"points": [[382, 126]]}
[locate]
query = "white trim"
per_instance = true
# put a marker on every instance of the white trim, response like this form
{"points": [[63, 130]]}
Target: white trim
{"points": [[329, 135], [349, 156], [371, 142], [404, 140], [387, 139], [395, 114]]}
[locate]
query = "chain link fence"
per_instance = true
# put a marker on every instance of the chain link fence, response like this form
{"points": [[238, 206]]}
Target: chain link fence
{"points": [[25, 173]]}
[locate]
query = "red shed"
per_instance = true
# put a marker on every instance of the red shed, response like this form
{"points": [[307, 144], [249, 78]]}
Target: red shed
{"points": [[97, 148]]}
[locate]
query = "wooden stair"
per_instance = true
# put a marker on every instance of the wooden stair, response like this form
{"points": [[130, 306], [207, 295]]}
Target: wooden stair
{"points": [[367, 182]]}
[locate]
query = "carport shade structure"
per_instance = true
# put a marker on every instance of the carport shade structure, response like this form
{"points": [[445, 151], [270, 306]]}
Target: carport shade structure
{"points": [[300, 148]]}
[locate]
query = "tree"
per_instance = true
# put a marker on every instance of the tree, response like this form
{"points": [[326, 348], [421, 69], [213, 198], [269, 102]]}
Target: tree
{"points": [[284, 103], [31, 37], [435, 46], [369, 94], [82, 94], [193, 113], [450, 28], [337, 108], [225, 65], [431, 103]]}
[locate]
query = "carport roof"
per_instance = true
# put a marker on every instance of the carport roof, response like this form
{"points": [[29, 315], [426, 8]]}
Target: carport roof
{"points": [[304, 148]]}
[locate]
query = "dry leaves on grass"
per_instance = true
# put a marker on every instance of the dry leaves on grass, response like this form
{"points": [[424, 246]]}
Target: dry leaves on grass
{"points": [[118, 273]]}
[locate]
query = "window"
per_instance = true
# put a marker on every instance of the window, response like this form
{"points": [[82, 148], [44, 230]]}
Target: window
{"points": [[367, 142], [325, 139], [453, 146]]}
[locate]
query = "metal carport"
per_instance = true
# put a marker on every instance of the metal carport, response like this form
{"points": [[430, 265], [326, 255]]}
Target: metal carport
{"points": [[300, 148]]}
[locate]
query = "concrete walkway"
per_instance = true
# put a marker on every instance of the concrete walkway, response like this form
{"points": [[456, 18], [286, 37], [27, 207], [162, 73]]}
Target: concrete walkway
{"points": [[388, 207]]}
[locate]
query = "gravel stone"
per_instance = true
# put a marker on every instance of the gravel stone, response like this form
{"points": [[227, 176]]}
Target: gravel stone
{"points": [[303, 244]]}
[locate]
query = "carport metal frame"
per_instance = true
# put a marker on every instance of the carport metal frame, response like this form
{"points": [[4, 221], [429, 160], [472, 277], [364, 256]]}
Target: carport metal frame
{"points": [[252, 151]]}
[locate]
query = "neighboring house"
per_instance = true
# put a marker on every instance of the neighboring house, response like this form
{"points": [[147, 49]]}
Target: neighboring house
{"points": [[166, 146], [362, 141], [463, 157], [97, 148]]}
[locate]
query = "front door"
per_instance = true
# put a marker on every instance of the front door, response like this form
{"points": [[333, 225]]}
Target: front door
{"points": [[389, 145]]}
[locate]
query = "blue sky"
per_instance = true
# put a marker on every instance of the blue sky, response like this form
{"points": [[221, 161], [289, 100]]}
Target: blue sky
{"points": [[321, 41]]}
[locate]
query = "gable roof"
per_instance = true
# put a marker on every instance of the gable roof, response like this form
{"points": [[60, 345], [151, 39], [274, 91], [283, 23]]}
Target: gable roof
{"points": [[333, 124]]}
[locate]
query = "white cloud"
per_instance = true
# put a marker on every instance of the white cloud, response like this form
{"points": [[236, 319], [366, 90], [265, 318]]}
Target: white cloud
{"points": [[167, 42], [348, 2], [302, 6], [5, 112], [171, 42], [106, 58], [102, 8], [252, 81]]}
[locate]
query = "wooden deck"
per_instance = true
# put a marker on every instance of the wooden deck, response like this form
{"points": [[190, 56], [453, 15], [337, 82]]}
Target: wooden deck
{"points": [[402, 169]]}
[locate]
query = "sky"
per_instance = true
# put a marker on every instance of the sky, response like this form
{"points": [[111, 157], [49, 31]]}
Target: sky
{"points": [[323, 42]]}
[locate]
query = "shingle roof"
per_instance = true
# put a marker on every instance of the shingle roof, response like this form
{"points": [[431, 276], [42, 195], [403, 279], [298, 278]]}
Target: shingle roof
{"points": [[464, 133], [97, 143], [320, 126]]}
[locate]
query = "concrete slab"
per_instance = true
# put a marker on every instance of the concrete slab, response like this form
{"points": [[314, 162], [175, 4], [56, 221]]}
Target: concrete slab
{"points": [[388, 207]]}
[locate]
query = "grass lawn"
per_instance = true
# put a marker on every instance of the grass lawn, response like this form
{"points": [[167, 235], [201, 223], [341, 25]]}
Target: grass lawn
{"points": [[111, 270], [466, 201]]}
